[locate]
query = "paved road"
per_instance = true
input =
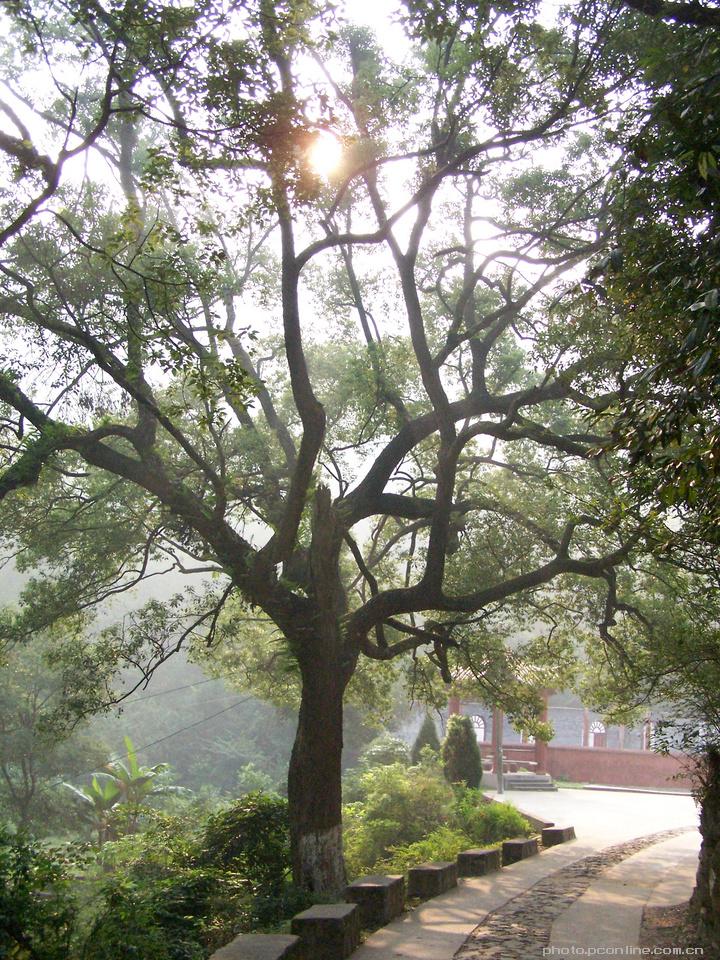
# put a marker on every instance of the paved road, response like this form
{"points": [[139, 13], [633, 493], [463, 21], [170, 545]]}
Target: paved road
{"points": [[604, 817], [609, 914], [439, 928]]}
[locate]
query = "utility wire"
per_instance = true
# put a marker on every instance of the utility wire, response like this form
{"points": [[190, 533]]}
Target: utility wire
{"points": [[161, 693], [153, 743]]}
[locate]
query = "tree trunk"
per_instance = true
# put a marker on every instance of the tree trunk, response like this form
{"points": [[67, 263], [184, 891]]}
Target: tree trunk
{"points": [[326, 666], [314, 782], [705, 901]]}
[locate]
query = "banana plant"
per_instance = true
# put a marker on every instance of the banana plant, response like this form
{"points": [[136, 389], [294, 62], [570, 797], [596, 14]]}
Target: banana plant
{"points": [[137, 783], [121, 782], [98, 800]]}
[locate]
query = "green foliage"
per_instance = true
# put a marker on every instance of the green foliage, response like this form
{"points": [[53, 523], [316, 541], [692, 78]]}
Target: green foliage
{"points": [[400, 816], [392, 804], [124, 786], [427, 737], [460, 752], [664, 287], [97, 800], [158, 921], [486, 822], [384, 750], [252, 838], [444, 843], [251, 779], [38, 744], [37, 907], [184, 886]]}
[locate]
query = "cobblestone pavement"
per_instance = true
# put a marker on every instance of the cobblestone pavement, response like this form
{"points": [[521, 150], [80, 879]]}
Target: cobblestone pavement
{"points": [[520, 929]]}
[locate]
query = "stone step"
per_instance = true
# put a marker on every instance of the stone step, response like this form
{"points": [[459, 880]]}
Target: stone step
{"points": [[380, 898], [328, 931], [551, 836], [518, 848], [431, 879], [530, 786], [478, 862], [260, 946], [528, 781]]}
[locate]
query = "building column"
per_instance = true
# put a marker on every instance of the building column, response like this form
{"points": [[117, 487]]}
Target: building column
{"points": [[541, 747], [453, 705], [621, 736], [497, 743], [586, 727]]}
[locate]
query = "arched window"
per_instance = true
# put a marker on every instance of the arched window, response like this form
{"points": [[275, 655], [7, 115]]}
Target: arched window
{"points": [[598, 734], [478, 723]]}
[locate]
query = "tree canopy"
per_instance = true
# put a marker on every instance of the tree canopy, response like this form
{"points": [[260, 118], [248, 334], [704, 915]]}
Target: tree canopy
{"points": [[364, 405]]}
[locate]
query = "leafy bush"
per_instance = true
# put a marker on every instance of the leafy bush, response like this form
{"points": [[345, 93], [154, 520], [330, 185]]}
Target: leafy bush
{"points": [[460, 752], [180, 891], [160, 919], [487, 822], [37, 909], [252, 838], [427, 737], [161, 902], [445, 843], [395, 805], [384, 750]]}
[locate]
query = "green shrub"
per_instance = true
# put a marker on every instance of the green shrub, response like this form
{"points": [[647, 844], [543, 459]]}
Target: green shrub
{"points": [[396, 805], [182, 890], [487, 822], [384, 750], [427, 737], [445, 843], [252, 838], [158, 919], [162, 902], [460, 752], [37, 909]]}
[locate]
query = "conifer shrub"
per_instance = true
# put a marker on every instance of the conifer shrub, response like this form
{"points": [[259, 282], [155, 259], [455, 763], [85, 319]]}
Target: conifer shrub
{"points": [[427, 737], [460, 753]]}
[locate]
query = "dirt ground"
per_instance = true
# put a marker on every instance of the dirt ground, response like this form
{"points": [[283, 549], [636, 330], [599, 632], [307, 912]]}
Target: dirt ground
{"points": [[669, 928]]}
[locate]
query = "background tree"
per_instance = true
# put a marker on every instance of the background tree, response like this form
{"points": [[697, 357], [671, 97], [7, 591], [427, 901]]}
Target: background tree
{"points": [[39, 742], [341, 403], [460, 752], [666, 650], [659, 288], [426, 737]]}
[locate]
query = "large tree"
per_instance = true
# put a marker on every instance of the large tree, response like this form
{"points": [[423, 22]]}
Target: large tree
{"points": [[661, 286], [353, 402]]}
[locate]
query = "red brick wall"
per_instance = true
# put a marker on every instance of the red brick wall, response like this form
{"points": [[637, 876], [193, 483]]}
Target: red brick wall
{"points": [[620, 768]]}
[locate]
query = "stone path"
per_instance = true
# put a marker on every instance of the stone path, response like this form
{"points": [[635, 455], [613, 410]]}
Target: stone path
{"points": [[437, 929], [521, 928]]}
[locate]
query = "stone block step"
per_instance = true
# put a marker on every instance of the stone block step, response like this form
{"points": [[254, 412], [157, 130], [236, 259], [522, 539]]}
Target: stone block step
{"points": [[431, 879], [518, 848], [551, 836], [528, 781], [478, 862], [379, 898], [260, 946], [328, 931]]}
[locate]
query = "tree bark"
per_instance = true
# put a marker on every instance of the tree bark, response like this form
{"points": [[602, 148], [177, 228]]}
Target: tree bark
{"points": [[314, 782], [326, 665], [705, 901]]}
